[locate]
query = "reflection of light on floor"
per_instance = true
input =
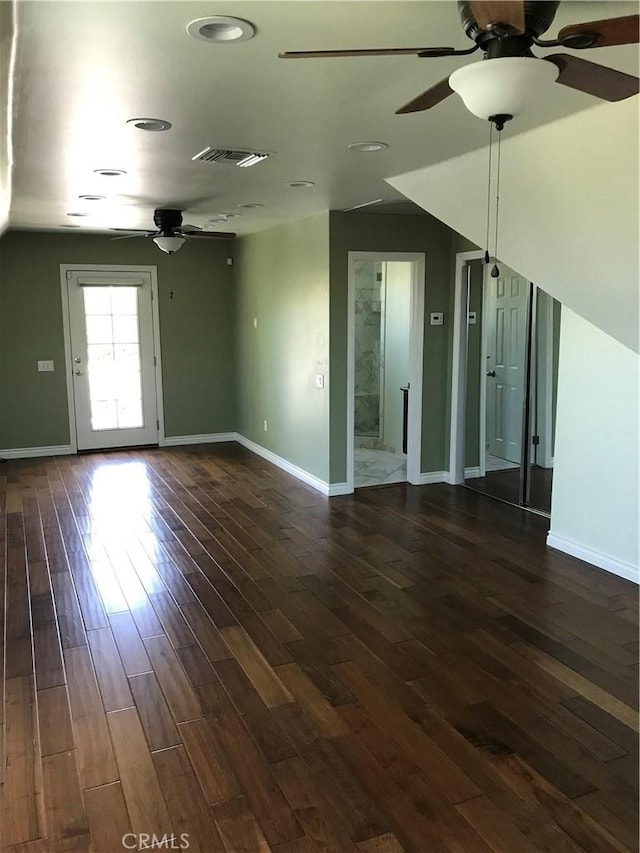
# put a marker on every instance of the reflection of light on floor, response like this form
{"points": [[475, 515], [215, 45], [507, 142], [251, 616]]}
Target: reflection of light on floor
{"points": [[116, 490], [118, 496]]}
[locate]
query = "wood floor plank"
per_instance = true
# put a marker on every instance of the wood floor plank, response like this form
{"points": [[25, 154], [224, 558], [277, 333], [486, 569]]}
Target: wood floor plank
{"points": [[182, 701], [265, 799], [54, 718], [65, 812], [142, 793], [258, 671], [108, 818], [192, 819], [96, 761], [130, 646], [238, 827], [154, 713], [114, 687], [24, 818], [209, 760]]}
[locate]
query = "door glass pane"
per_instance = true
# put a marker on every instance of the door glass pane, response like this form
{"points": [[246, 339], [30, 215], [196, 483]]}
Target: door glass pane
{"points": [[496, 380], [113, 357]]}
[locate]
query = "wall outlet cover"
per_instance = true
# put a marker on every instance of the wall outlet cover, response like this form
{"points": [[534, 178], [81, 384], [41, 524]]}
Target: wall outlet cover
{"points": [[437, 318], [45, 366], [320, 380]]}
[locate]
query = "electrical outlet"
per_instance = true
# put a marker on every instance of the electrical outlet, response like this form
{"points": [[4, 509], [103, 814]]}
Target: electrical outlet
{"points": [[473, 318], [264, 425], [437, 318], [45, 366], [319, 380]]}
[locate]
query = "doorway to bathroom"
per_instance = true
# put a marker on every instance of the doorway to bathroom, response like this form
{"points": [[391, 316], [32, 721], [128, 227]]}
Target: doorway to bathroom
{"points": [[385, 342]]}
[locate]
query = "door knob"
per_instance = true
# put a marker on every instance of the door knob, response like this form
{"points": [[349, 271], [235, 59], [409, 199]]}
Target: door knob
{"points": [[491, 373], [78, 372]]}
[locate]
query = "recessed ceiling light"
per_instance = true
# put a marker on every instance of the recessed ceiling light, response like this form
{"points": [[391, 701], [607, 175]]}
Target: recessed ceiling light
{"points": [[231, 215], [92, 197], [221, 29], [154, 124], [109, 173], [297, 185], [77, 214], [251, 205], [367, 147]]}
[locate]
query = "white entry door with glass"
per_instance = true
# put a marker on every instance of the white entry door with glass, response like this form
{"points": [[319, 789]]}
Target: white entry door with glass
{"points": [[113, 358]]}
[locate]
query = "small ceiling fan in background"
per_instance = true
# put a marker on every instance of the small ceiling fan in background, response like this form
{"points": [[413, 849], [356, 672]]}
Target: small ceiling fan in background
{"points": [[505, 31], [171, 233]]}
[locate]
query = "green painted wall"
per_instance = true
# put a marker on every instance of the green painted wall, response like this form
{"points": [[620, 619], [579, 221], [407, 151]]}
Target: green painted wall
{"points": [[282, 281], [361, 232], [196, 331]]}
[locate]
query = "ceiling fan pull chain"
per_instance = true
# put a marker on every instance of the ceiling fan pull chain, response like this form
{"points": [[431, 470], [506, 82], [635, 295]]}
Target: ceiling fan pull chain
{"points": [[487, 257], [495, 272]]}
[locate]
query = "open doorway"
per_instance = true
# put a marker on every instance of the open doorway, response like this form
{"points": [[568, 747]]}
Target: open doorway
{"points": [[386, 298]]}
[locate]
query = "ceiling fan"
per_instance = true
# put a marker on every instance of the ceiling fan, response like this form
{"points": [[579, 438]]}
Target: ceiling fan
{"points": [[171, 233], [505, 30]]}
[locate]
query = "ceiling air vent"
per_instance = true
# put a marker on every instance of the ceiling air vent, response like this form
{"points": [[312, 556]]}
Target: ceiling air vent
{"points": [[232, 156]]}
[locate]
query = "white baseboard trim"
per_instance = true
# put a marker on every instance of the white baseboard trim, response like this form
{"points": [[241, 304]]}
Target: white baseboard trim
{"points": [[336, 489], [429, 477], [30, 452], [207, 438], [596, 558], [470, 473], [289, 467]]}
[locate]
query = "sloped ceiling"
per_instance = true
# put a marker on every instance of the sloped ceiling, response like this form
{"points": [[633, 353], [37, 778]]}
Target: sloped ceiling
{"points": [[84, 68], [569, 211]]}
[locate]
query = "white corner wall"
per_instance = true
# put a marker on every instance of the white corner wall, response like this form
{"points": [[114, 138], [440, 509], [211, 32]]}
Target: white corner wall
{"points": [[595, 502], [569, 209]]}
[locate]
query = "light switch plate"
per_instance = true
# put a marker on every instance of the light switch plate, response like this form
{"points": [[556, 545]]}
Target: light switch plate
{"points": [[473, 318], [437, 318], [45, 366], [320, 380]]}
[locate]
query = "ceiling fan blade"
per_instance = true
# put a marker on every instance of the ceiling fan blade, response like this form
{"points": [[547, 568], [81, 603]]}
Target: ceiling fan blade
{"points": [[609, 32], [128, 236], [508, 13], [375, 51], [216, 235], [189, 228], [594, 79], [428, 99]]}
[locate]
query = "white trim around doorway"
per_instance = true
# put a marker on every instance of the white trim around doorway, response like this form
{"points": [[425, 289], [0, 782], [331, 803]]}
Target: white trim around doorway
{"points": [[119, 269], [416, 348]]}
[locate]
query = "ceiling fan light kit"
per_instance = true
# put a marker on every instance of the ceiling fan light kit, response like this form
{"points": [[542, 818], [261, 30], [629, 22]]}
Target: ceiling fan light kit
{"points": [[169, 244], [503, 87]]}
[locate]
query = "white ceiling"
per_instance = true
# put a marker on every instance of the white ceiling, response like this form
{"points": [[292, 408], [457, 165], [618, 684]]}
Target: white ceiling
{"points": [[83, 68]]}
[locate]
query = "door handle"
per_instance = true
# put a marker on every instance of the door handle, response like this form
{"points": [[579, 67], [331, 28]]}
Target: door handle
{"points": [[78, 372], [491, 373]]}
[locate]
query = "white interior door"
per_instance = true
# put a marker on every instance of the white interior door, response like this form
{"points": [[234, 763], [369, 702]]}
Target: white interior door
{"points": [[505, 326], [113, 363]]}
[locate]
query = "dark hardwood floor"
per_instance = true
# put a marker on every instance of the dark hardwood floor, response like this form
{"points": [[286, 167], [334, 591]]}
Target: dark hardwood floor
{"points": [[198, 647]]}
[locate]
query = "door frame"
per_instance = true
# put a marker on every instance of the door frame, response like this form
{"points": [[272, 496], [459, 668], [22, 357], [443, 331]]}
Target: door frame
{"points": [[152, 271], [416, 349], [459, 369]]}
